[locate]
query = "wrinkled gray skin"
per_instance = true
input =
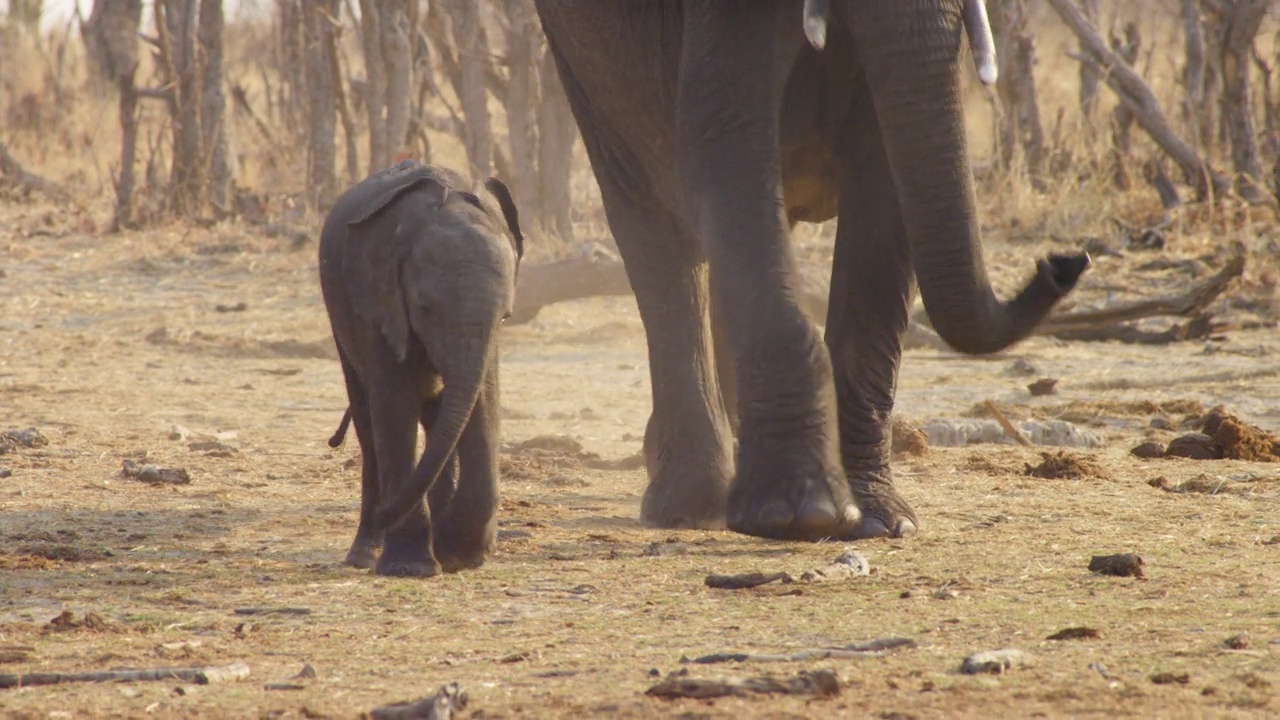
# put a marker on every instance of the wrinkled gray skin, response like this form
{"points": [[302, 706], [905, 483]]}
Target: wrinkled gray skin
{"points": [[712, 127], [417, 275]]}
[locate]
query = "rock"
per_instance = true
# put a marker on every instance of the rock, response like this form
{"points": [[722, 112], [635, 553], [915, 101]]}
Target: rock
{"points": [[1195, 446], [178, 432], [1121, 565], [155, 475], [1148, 450], [1043, 386], [994, 661], [1238, 642]]}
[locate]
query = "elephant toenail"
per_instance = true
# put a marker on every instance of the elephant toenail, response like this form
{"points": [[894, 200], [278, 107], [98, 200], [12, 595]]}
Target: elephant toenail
{"points": [[906, 528]]}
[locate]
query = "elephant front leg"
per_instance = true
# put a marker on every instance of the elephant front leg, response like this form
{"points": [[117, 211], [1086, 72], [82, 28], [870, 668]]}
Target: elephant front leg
{"points": [[464, 532], [407, 548], [868, 313], [789, 481]]}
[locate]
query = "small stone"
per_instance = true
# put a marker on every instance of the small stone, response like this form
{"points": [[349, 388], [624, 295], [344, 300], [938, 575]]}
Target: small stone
{"points": [[1121, 565], [1148, 450], [994, 661], [1194, 446], [908, 439], [1238, 642], [5, 472], [1043, 386], [178, 432]]}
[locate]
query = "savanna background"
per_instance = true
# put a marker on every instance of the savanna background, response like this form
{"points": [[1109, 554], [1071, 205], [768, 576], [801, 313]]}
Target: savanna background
{"points": [[167, 385]]}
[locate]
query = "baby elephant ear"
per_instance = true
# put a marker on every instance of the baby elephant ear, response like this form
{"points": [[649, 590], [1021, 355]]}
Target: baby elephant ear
{"points": [[499, 190]]}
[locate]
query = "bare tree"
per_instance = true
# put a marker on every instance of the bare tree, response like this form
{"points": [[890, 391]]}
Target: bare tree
{"points": [[388, 64], [213, 104], [26, 14], [473, 62], [320, 29], [557, 133], [1193, 71], [1241, 20], [521, 99], [1016, 50], [176, 21], [1090, 80], [112, 46]]}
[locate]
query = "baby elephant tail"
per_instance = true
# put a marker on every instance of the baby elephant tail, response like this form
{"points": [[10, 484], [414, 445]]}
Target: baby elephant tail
{"points": [[341, 434]]}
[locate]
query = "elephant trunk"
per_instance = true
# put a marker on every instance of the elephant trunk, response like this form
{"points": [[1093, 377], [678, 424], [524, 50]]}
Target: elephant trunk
{"points": [[464, 378], [910, 54]]}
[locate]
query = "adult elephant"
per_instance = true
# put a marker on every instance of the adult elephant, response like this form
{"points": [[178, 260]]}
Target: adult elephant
{"points": [[712, 126]]}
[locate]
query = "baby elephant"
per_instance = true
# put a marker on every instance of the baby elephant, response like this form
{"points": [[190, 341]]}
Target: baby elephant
{"points": [[417, 275]]}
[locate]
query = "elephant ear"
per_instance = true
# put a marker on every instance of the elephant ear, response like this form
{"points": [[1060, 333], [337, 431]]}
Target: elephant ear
{"points": [[389, 188], [373, 266], [499, 191]]}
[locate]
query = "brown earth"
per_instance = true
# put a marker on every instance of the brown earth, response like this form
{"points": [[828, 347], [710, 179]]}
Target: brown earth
{"points": [[207, 350]]}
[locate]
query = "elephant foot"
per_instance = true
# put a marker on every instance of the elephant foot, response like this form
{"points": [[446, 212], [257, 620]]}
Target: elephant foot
{"points": [[689, 477], [884, 513], [458, 551], [407, 568], [407, 556], [363, 553], [774, 498]]}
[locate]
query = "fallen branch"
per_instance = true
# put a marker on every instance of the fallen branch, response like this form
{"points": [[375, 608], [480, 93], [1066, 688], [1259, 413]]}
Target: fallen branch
{"points": [[15, 174], [202, 676], [820, 683], [440, 706], [1008, 427], [1197, 328], [872, 649], [588, 275], [1191, 302]]}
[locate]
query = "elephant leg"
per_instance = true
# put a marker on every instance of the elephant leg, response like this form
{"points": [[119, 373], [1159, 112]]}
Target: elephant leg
{"points": [[724, 365], [364, 549], [407, 548], [688, 440], [871, 290], [789, 481], [441, 492], [465, 533]]}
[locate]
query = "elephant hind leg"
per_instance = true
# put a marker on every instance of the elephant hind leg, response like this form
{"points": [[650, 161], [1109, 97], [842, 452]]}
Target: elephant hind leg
{"points": [[364, 548], [871, 290]]}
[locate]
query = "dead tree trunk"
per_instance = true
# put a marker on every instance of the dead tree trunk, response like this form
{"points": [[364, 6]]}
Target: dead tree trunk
{"points": [[1016, 51], [176, 21], [375, 76], [291, 66], [112, 46], [398, 61], [320, 19], [521, 100], [473, 60], [1126, 83], [26, 14], [1193, 72], [213, 105], [557, 135], [1241, 21], [1122, 116], [1090, 80]]}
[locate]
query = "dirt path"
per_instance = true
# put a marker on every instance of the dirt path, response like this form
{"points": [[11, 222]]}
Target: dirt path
{"points": [[138, 347]]}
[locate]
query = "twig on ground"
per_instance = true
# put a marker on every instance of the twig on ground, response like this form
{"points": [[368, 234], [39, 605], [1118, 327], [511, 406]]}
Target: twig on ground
{"points": [[872, 649], [1009, 428], [203, 676]]}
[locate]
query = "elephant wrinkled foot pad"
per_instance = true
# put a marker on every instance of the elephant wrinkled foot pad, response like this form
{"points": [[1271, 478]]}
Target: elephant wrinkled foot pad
{"points": [[810, 510], [363, 554], [458, 556], [407, 568], [884, 513], [684, 507]]}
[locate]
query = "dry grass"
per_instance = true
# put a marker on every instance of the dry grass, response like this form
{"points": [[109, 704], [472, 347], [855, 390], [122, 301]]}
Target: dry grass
{"points": [[580, 603]]}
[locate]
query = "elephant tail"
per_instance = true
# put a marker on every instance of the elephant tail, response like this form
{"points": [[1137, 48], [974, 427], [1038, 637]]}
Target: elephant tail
{"points": [[341, 433]]}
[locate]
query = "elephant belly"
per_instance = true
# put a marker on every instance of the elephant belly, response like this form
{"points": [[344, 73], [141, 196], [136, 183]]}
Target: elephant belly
{"points": [[810, 182]]}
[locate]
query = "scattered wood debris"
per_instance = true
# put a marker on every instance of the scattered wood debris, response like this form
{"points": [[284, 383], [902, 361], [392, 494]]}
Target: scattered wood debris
{"points": [[743, 581], [272, 611], [871, 649], [994, 661], [155, 475], [1168, 678], [817, 683], [446, 701], [1076, 633], [849, 563], [201, 676]]}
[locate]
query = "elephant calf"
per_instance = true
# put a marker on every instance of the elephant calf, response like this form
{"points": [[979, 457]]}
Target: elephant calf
{"points": [[417, 275]]}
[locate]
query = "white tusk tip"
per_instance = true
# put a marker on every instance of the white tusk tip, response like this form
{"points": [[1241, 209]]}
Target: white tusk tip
{"points": [[815, 28]]}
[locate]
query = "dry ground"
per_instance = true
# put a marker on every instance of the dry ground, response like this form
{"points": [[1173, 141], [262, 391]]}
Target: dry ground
{"points": [[109, 342]]}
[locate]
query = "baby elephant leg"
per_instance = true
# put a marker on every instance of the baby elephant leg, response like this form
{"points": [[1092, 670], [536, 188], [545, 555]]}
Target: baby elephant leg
{"points": [[464, 535]]}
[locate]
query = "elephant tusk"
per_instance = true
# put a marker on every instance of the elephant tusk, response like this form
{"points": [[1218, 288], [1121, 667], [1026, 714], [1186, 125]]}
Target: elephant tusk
{"points": [[980, 40], [815, 22]]}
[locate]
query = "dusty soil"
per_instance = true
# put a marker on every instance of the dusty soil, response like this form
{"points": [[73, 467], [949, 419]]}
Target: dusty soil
{"points": [[207, 351]]}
